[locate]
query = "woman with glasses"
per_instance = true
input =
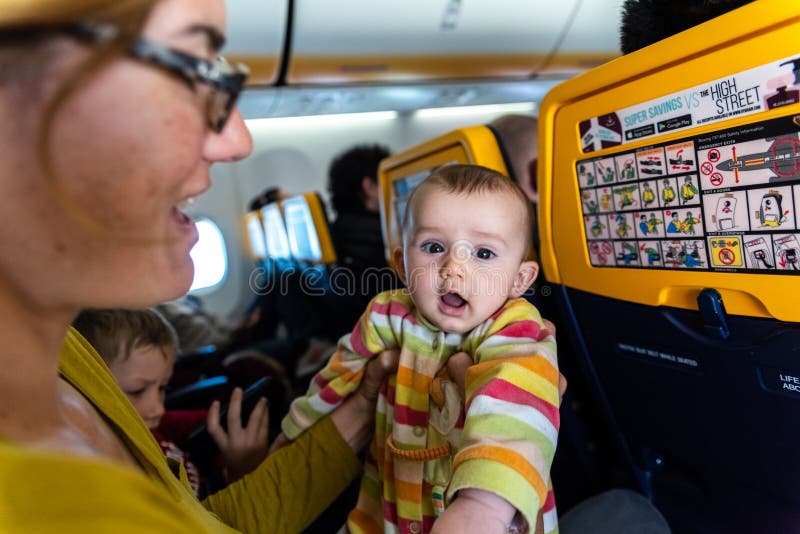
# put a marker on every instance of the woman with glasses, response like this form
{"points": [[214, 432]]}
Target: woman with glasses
{"points": [[113, 113]]}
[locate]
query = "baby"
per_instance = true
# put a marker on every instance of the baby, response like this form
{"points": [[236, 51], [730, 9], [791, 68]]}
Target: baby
{"points": [[480, 464], [139, 347]]}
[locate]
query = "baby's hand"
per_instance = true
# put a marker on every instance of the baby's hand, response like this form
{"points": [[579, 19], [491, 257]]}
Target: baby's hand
{"points": [[476, 511], [550, 326], [243, 448]]}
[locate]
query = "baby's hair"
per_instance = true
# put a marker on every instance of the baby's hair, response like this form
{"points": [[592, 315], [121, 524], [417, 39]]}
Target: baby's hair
{"points": [[468, 180], [114, 333]]}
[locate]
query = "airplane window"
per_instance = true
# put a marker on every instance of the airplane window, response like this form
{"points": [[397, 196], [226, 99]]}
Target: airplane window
{"points": [[209, 256]]}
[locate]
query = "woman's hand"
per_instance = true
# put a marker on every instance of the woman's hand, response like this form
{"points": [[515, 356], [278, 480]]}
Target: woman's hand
{"points": [[243, 448], [356, 416]]}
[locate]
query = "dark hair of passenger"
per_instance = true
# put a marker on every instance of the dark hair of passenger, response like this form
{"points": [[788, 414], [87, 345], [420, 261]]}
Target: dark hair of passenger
{"points": [[268, 196], [346, 173], [114, 333], [645, 22]]}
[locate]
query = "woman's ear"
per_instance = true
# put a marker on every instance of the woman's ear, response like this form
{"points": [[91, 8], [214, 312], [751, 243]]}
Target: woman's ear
{"points": [[524, 278], [398, 264]]}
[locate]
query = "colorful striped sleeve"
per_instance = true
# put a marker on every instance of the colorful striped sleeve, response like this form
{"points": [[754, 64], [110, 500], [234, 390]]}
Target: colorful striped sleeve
{"points": [[512, 420], [375, 332]]}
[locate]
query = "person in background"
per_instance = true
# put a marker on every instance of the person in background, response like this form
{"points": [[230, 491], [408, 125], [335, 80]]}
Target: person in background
{"points": [[119, 109], [362, 270], [268, 196], [519, 136], [139, 347], [194, 325], [645, 22]]}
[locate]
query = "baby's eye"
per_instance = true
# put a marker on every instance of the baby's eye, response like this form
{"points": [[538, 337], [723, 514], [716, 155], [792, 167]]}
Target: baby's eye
{"points": [[484, 254], [432, 248], [135, 393]]}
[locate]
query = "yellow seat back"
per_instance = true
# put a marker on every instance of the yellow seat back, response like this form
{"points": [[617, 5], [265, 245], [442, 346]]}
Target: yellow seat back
{"points": [[677, 168], [254, 233], [400, 173]]}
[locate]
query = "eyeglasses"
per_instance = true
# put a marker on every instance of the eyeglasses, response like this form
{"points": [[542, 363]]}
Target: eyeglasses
{"points": [[224, 79]]}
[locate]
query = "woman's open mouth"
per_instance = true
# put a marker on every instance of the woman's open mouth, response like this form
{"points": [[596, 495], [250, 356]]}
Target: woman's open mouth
{"points": [[185, 224]]}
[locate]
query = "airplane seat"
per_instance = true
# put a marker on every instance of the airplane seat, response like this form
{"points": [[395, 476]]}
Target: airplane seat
{"points": [[294, 284], [668, 188], [277, 291], [586, 462], [204, 342]]}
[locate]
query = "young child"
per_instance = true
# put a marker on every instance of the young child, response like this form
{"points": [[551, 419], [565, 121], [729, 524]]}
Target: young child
{"points": [[139, 347], [466, 237]]}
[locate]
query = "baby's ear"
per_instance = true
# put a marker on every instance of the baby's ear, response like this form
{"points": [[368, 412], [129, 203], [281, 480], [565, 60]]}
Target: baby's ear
{"points": [[524, 278], [399, 264]]}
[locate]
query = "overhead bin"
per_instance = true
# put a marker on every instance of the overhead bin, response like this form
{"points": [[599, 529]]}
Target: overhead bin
{"points": [[351, 41], [419, 40], [256, 36]]}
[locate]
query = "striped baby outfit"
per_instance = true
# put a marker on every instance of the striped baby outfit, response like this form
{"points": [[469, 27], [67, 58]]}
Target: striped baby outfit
{"points": [[425, 447]]}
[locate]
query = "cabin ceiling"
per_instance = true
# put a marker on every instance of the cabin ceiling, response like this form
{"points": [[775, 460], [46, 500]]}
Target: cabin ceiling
{"points": [[320, 42]]}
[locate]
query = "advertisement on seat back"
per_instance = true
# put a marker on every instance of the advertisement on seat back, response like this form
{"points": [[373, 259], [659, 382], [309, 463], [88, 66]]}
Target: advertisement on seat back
{"points": [[725, 201]]}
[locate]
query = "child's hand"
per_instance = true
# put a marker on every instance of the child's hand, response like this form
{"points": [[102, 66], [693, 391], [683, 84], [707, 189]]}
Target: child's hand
{"points": [[243, 448]]}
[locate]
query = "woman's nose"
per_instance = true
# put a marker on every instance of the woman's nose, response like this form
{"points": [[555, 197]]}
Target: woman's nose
{"points": [[233, 143]]}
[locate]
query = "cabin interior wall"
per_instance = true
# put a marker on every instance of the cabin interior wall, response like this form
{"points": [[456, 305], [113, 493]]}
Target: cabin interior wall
{"points": [[295, 156]]}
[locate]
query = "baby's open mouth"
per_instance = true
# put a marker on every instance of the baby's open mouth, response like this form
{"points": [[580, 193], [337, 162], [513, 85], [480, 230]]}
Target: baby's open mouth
{"points": [[453, 299]]}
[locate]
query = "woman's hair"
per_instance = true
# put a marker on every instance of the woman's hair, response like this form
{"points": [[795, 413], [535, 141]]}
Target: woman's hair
{"points": [[114, 333], [27, 27], [468, 180], [29, 33]]}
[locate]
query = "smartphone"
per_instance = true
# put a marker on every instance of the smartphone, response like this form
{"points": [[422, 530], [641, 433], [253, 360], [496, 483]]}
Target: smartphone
{"points": [[250, 398], [199, 441]]}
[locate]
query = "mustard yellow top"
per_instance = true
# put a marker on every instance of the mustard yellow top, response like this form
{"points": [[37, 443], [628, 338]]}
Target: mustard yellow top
{"points": [[46, 492]]}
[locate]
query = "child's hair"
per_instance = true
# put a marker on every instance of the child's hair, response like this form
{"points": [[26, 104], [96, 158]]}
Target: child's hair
{"points": [[114, 333], [469, 179]]}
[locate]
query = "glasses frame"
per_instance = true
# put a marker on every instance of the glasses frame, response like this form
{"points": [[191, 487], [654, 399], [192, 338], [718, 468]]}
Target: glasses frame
{"points": [[225, 80]]}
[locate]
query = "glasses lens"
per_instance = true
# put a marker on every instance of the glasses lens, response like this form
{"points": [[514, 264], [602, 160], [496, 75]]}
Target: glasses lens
{"points": [[220, 105], [224, 92]]}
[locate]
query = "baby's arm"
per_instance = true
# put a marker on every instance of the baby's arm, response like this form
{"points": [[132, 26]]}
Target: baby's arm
{"points": [[512, 420], [343, 373]]}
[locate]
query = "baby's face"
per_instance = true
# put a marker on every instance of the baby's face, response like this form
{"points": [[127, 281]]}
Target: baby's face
{"points": [[143, 377], [463, 256]]}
